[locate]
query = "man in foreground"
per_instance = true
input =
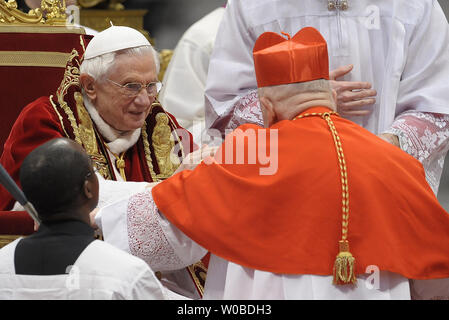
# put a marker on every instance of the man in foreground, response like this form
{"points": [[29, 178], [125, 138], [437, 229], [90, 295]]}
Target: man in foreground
{"points": [[62, 260]]}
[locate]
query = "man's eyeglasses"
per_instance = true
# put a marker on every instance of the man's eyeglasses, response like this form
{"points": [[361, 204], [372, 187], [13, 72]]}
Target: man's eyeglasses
{"points": [[132, 89]]}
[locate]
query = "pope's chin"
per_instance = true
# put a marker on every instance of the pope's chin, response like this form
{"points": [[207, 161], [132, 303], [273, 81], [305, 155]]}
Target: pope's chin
{"points": [[135, 120]]}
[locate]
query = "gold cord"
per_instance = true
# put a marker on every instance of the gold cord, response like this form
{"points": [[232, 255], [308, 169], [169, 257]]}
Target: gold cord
{"points": [[344, 267], [119, 162]]}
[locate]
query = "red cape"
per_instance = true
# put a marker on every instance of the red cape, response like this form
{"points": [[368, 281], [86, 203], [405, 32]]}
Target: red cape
{"points": [[290, 222]]}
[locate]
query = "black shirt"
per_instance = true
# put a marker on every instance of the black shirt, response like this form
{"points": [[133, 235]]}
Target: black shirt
{"points": [[53, 248]]}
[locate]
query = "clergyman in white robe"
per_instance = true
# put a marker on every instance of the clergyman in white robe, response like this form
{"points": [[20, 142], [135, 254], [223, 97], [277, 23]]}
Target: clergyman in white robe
{"points": [[101, 272]]}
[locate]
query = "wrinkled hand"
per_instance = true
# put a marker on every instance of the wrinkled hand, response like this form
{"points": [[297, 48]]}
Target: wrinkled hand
{"points": [[351, 95], [390, 138], [194, 158]]}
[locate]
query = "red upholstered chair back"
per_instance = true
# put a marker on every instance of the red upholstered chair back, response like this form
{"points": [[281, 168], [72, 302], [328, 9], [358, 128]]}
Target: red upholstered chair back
{"points": [[32, 64], [14, 224]]}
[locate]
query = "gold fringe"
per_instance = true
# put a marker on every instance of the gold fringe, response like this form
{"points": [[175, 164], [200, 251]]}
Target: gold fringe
{"points": [[344, 266]]}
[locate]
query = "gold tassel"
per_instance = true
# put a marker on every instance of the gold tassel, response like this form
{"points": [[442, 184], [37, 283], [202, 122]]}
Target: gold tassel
{"points": [[344, 267]]}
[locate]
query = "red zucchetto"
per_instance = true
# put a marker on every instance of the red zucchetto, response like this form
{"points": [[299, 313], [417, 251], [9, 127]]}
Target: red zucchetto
{"points": [[281, 61]]}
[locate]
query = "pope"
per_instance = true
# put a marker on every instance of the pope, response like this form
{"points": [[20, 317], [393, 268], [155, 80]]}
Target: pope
{"points": [[107, 103]]}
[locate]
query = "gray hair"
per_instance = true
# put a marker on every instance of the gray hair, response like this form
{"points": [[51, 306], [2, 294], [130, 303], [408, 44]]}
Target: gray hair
{"points": [[289, 99], [284, 91], [99, 66]]}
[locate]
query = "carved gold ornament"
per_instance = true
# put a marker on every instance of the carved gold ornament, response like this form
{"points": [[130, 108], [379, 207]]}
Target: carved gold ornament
{"points": [[51, 12]]}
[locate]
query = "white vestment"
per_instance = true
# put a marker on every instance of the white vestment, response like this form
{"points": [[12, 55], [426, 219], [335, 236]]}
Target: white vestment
{"points": [[185, 78], [227, 280], [400, 46], [100, 272], [119, 229]]}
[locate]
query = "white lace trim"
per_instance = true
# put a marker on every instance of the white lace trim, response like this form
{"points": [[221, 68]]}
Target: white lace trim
{"points": [[246, 110], [425, 136], [146, 237]]}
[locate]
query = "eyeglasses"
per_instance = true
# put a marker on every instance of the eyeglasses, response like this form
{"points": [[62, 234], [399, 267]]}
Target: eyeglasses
{"points": [[132, 89]]}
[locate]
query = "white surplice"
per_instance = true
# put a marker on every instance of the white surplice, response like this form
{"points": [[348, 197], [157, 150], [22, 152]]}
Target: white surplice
{"points": [[100, 272], [401, 47], [124, 232], [185, 79], [152, 233]]}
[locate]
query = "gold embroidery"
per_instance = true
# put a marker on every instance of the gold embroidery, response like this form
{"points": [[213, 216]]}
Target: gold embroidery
{"points": [[88, 137], [119, 161], [71, 78], [34, 59], [86, 130], [146, 147], [163, 145], [198, 272], [59, 116]]}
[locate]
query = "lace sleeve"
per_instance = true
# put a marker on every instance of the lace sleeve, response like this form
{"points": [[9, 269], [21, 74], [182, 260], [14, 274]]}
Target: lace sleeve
{"points": [[425, 136], [146, 237], [246, 110]]}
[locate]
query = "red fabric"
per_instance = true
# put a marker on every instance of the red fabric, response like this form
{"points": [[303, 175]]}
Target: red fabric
{"points": [[16, 223], [37, 124], [279, 61], [21, 85], [290, 222]]}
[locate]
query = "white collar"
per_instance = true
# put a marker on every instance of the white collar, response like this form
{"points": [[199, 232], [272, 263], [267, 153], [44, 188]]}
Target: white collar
{"points": [[118, 142]]}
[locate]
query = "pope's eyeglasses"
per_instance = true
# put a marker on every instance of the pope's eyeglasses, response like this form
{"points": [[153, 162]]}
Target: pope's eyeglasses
{"points": [[132, 89]]}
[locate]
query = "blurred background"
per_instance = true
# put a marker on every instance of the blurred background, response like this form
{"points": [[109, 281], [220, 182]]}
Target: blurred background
{"points": [[166, 20]]}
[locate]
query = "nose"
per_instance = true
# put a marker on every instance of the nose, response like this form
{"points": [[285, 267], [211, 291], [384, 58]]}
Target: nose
{"points": [[143, 99]]}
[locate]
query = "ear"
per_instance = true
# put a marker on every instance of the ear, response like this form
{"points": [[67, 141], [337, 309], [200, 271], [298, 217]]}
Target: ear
{"points": [[88, 84], [88, 189], [267, 107]]}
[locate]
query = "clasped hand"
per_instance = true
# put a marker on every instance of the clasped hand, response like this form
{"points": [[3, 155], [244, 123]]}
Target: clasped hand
{"points": [[352, 96]]}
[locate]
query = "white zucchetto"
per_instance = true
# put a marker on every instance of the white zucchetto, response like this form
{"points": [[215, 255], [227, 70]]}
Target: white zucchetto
{"points": [[113, 39]]}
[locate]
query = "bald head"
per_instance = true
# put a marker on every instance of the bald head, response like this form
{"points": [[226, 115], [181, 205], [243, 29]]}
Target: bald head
{"points": [[284, 102], [54, 177]]}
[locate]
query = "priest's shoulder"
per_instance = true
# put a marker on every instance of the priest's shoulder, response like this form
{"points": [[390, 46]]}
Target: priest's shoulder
{"points": [[102, 256]]}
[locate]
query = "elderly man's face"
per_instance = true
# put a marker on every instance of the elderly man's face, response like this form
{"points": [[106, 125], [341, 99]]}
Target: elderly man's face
{"points": [[115, 106]]}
